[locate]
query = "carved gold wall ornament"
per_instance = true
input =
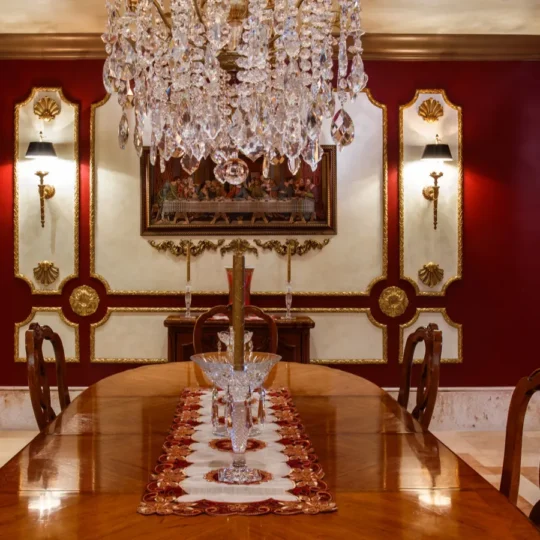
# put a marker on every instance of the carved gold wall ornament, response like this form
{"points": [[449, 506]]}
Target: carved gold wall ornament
{"points": [[239, 245], [297, 248], [431, 110], [84, 301], [431, 274], [180, 249], [46, 272], [393, 301], [46, 109]]}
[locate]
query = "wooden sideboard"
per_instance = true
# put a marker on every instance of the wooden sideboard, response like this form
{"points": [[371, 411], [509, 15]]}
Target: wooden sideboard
{"points": [[293, 337]]}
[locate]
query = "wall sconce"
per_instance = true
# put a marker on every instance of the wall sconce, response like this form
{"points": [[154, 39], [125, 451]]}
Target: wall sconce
{"points": [[42, 150], [435, 152]]}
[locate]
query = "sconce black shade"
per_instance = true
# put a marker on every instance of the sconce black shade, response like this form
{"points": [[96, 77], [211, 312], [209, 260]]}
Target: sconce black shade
{"points": [[440, 152], [41, 149]]}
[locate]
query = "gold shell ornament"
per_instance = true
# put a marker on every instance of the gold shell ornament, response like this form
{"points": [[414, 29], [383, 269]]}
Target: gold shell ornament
{"points": [[431, 110], [84, 301], [430, 274], [393, 301], [46, 109], [46, 272]]}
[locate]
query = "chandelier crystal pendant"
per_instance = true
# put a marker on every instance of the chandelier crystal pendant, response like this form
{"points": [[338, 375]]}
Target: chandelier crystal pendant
{"points": [[219, 77]]}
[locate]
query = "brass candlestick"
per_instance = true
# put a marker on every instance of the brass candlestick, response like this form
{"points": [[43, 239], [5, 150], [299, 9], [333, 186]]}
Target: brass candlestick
{"points": [[431, 193], [45, 192], [238, 310]]}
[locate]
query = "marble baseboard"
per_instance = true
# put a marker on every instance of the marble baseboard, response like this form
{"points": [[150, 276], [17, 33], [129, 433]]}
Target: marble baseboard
{"points": [[457, 409], [478, 409], [16, 408]]}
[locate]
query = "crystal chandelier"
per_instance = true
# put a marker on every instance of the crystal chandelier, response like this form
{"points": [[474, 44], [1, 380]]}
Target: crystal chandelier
{"points": [[219, 77]]}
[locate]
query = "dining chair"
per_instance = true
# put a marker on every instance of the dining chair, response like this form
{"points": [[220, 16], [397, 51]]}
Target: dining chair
{"points": [[521, 396], [227, 310], [428, 386], [40, 392]]}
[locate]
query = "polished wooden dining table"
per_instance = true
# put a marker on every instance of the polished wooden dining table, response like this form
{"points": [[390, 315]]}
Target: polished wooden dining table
{"points": [[84, 475]]}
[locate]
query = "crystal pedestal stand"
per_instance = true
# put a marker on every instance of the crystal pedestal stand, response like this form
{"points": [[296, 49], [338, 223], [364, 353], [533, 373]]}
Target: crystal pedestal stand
{"points": [[187, 299], [238, 407], [288, 301], [241, 422]]}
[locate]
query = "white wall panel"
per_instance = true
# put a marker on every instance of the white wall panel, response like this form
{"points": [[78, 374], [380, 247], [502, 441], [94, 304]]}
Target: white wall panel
{"points": [[420, 243], [352, 260], [58, 240]]}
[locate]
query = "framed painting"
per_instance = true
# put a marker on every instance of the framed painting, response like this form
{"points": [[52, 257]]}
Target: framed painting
{"points": [[176, 203]]}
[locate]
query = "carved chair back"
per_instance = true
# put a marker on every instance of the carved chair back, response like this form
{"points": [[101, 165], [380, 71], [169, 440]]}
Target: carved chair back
{"points": [[40, 393], [227, 310], [428, 386], [521, 396]]}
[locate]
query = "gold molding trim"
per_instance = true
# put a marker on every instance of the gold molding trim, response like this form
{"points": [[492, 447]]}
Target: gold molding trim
{"points": [[46, 272], [459, 199], [430, 111], [84, 301], [431, 274], [120, 292], [297, 248], [111, 310], [76, 210], [393, 301], [46, 109], [29, 319], [442, 311], [181, 249], [403, 47]]}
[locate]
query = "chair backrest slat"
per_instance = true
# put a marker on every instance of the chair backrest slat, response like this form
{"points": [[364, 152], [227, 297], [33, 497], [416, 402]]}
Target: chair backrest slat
{"points": [[227, 310], [521, 396], [40, 392], [428, 386]]}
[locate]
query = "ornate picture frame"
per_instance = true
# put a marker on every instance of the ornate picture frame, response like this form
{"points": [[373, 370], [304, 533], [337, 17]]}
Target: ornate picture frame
{"points": [[175, 203]]}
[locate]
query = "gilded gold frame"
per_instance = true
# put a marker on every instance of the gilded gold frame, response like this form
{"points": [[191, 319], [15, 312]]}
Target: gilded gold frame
{"points": [[111, 310], [459, 274], [36, 310], [76, 194], [112, 291], [442, 311]]}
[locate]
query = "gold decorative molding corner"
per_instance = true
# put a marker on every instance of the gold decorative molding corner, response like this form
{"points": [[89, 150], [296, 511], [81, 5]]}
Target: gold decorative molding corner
{"points": [[448, 320], [76, 208], [180, 249], [431, 274], [393, 301], [30, 318], [84, 301], [431, 110], [46, 272], [297, 248], [239, 245], [46, 109]]}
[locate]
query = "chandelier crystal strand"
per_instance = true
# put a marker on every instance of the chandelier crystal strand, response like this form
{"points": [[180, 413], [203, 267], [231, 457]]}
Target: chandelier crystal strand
{"points": [[220, 77]]}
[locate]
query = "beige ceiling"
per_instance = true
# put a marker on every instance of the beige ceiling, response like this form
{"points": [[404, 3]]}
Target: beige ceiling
{"points": [[379, 16]]}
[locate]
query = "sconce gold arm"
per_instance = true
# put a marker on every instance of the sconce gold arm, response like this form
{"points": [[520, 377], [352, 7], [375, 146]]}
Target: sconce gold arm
{"points": [[431, 193], [45, 192]]}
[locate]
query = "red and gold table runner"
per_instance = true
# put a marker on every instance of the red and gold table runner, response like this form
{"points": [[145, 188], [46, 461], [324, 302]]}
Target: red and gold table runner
{"points": [[185, 482]]}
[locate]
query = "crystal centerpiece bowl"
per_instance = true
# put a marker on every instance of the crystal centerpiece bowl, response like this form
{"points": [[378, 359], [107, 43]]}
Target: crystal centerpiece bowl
{"points": [[218, 367]]}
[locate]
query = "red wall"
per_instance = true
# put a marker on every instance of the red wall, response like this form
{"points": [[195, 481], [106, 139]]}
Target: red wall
{"points": [[498, 299]]}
